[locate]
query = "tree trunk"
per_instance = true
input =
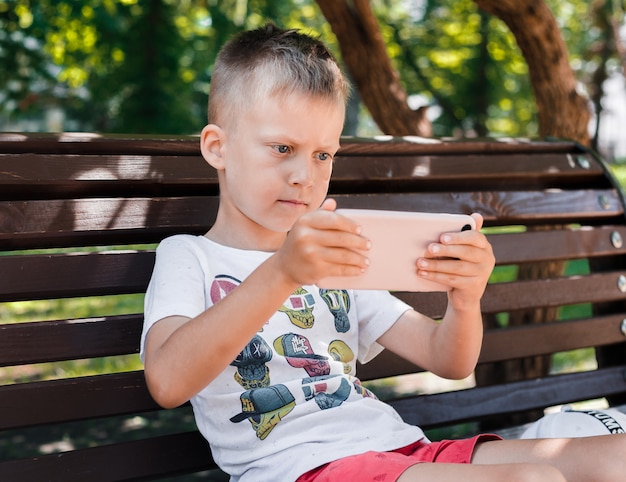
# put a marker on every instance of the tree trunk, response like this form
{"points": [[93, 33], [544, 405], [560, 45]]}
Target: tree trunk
{"points": [[365, 56], [562, 112]]}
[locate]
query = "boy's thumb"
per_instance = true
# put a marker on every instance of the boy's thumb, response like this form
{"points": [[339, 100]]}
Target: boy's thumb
{"points": [[329, 205]]}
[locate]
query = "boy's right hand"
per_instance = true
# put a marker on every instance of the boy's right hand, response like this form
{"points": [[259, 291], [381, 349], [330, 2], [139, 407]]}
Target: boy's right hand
{"points": [[322, 243]]}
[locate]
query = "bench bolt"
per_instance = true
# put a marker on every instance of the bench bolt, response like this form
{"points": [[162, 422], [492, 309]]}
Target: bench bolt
{"points": [[621, 283], [604, 202], [583, 162], [623, 327], [616, 239]]}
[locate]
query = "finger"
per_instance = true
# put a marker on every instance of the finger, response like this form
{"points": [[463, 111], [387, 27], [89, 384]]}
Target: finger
{"points": [[329, 204], [478, 219], [326, 219], [344, 262], [447, 267], [463, 252]]}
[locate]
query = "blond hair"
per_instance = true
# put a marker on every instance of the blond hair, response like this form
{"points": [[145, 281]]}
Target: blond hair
{"points": [[268, 62]]}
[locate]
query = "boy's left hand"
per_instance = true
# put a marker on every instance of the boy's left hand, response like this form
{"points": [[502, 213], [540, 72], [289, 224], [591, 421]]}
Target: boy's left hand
{"points": [[462, 261]]}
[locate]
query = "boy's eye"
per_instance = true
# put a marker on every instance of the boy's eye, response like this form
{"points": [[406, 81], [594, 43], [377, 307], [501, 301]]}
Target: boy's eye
{"points": [[282, 149], [324, 156]]}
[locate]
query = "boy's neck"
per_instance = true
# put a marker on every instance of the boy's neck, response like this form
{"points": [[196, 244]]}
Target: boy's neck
{"points": [[250, 241]]}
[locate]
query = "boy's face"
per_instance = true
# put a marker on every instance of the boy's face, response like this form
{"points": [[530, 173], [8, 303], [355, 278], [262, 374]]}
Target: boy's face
{"points": [[276, 166]]}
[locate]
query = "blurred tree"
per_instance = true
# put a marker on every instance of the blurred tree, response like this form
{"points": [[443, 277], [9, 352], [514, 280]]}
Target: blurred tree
{"points": [[562, 111], [132, 65], [125, 66]]}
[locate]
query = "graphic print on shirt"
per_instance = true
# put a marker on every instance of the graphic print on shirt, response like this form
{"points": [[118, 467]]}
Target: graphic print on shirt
{"points": [[265, 407], [222, 285], [299, 354], [325, 391], [252, 371], [299, 308], [338, 302], [341, 352]]}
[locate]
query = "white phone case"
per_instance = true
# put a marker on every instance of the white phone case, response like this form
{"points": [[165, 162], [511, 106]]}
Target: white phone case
{"points": [[398, 239]]}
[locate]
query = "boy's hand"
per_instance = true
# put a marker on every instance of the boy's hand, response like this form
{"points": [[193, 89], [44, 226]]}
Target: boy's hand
{"points": [[322, 243], [463, 261]]}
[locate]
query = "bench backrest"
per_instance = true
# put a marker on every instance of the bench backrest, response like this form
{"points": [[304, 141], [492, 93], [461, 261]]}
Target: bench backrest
{"points": [[80, 216]]}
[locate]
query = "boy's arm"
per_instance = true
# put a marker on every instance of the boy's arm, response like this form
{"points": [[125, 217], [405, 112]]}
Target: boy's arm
{"points": [[184, 355], [463, 261]]}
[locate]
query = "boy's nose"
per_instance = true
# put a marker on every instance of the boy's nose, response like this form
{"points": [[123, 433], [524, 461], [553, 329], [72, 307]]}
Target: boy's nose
{"points": [[302, 173]]}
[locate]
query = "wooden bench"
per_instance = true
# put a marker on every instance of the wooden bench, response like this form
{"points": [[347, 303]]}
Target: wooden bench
{"points": [[80, 215]]}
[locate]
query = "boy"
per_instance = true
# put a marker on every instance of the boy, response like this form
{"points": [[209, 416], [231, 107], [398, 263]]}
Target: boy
{"points": [[235, 323]]}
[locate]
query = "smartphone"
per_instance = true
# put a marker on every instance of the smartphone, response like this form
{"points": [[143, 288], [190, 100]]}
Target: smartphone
{"points": [[398, 239]]}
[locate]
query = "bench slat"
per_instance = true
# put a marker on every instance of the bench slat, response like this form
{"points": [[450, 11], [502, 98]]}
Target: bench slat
{"points": [[475, 403], [499, 345], [118, 272], [517, 342], [48, 341], [92, 143], [562, 244], [595, 288], [156, 457], [450, 172], [75, 275], [72, 399], [84, 222], [38, 342], [541, 293], [426, 410], [133, 170], [64, 170], [501, 207]]}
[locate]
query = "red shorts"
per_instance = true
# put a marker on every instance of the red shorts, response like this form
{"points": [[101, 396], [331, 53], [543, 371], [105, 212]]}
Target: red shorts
{"points": [[373, 466]]}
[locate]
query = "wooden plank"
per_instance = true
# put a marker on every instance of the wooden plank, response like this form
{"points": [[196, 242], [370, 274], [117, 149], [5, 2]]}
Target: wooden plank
{"points": [[558, 244], [388, 145], [516, 342], [105, 175], [476, 403], [54, 401], [519, 295], [449, 172], [162, 456], [91, 143], [51, 169], [34, 277], [62, 169], [547, 338], [88, 222], [102, 221], [541, 293], [501, 207], [39, 176], [51, 341]]}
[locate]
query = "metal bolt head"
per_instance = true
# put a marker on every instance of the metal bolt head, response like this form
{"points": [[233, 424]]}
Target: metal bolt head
{"points": [[621, 283], [604, 202], [583, 162], [616, 239], [623, 327]]}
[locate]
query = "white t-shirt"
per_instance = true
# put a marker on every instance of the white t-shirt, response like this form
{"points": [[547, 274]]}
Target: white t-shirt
{"points": [[290, 401]]}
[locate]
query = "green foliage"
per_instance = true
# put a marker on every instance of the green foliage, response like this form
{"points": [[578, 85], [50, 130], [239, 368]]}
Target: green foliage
{"points": [[453, 55], [124, 66], [144, 66]]}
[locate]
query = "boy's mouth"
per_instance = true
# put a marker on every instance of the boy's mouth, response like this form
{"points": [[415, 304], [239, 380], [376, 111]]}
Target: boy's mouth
{"points": [[294, 202]]}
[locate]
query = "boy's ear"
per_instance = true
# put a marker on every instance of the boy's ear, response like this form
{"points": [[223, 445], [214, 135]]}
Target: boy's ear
{"points": [[212, 145]]}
